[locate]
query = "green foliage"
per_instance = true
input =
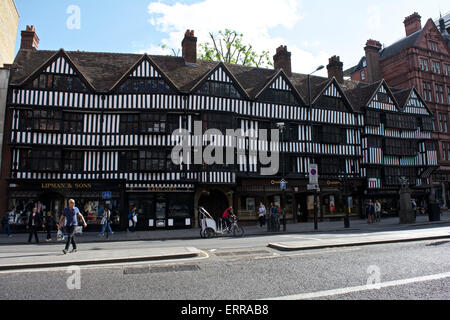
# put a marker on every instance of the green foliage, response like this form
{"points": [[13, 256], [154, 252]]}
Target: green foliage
{"points": [[228, 47], [174, 53]]}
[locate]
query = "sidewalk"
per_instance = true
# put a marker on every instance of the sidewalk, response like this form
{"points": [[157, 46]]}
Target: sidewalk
{"points": [[194, 233], [45, 259]]}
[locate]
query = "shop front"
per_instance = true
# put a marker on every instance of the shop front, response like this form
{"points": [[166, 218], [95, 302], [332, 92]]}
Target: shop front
{"points": [[90, 197], [162, 207]]}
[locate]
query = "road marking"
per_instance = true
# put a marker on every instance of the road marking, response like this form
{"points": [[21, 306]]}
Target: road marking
{"points": [[334, 292]]}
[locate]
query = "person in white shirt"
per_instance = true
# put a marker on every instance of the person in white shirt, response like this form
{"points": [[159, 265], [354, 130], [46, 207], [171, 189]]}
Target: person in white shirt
{"points": [[262, 215]]}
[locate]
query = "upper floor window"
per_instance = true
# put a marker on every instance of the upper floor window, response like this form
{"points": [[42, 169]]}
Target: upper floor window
{"points": [[439, 88], [217, 121], [40, 160], [329, 134], [448, 94], [219, 89], [443, 122], [400, 147], [427, 93], [332, 103], [433, 46], [146, 160], [423, 64], [363, 75], [372, 118], [331, 166], [279, 97], [153, 123], [425, 123], [73, 161], [129, 123], [446, 68], [45, 120], [400, 121], [436, 67], [73, 122], [144, 85], [59, 82]]}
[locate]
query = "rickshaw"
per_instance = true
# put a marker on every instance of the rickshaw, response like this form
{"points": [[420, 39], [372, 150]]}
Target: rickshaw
{"points": [[209, 227]]}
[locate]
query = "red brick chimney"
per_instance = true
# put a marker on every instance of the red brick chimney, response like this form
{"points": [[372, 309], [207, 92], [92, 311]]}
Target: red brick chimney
{"points": [[412, 23], [282, 60], [335, 69], [372, 50], [30, 40], [189, 47]]}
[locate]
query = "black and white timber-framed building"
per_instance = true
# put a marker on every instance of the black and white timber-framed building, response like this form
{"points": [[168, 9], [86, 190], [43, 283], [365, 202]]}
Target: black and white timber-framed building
{"points": [[97, 127]]}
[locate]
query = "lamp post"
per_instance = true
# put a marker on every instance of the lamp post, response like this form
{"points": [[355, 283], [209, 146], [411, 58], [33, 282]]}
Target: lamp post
{"points": [[311, 126], [281, 127]]}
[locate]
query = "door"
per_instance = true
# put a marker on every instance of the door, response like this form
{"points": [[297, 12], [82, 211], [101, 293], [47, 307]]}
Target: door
{"points": [[161, 214]]}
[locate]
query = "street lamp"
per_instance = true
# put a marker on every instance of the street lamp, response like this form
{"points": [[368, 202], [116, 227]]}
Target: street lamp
{"points": [[281, 126], [311, 126]]}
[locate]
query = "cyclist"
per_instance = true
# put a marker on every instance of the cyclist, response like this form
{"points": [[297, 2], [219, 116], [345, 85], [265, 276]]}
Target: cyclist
{"points": [[226, 216]]}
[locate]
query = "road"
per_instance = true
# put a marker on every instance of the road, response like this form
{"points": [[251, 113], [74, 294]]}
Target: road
{"points": [[247, 269]]}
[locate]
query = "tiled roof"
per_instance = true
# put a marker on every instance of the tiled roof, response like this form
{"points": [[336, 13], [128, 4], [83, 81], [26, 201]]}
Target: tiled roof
{"points": [[104, 71]]}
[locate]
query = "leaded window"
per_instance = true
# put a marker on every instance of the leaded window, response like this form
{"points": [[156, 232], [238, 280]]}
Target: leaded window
{"points": [[59, 83], [219, 89], [73, 122], [129, 123], [73, 161], [333, 103], [279, 97], [329, 134], [145, 85], [40, 120], [40, 160]]}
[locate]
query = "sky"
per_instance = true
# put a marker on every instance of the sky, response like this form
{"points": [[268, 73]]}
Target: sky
{"points": [[312, 30]]}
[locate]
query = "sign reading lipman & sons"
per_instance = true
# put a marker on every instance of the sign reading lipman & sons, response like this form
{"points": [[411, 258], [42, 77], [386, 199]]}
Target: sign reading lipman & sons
{"points": [[67, 186]]}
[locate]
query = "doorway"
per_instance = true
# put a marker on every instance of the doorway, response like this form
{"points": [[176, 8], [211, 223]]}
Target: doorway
{"points": [[301, 210], [215, 202]]}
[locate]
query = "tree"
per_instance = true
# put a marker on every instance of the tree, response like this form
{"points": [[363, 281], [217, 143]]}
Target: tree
{"points": [[228, 47]]}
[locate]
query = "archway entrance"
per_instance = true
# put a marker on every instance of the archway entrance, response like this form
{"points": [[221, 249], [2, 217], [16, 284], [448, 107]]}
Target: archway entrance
{"points": [[215, 202]]}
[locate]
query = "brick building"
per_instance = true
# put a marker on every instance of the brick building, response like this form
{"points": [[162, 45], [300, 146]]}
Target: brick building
{"points": [[421, 60]]}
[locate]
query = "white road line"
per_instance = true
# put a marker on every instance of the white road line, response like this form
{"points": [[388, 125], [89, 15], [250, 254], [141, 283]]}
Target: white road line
{"points": [[340, 291]]}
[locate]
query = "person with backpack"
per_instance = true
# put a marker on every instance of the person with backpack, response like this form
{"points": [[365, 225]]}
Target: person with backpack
{"points": [[132, 219], [71, 215]]}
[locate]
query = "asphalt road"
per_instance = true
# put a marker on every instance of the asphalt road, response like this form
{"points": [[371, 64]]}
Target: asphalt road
{"points": [[247, 269]]}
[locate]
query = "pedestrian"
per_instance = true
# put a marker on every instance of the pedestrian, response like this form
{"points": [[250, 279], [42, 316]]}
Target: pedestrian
{"points": [[50, 223], [378, 211], [262, 215], [106, 222], [132, 219], [370, 212], [6, 224], [34, 221], [71, 215], [273, 217]]}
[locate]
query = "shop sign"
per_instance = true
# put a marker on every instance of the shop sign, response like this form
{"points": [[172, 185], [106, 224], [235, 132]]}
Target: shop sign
{"points": [[66, 186], [106, 195], [333, 183]]}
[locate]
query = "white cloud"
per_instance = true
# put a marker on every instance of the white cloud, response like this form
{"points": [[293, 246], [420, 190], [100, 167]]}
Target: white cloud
{"points": [[256, 19]]}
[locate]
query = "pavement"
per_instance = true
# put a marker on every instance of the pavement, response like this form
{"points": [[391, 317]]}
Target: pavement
{"points": [[39, 258], [194, 233]]}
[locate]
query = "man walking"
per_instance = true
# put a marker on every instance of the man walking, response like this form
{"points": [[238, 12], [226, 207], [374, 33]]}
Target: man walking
{"points": [[71, 214], [34, 221], [106, 222]]}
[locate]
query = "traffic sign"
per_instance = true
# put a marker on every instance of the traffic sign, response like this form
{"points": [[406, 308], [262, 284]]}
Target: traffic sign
{"points": [[313, 174]]}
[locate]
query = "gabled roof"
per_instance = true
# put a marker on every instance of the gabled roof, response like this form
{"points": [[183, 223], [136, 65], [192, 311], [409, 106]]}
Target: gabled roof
{"points": [[403, 96], [221, 65], [364, 93], [283, 75]]}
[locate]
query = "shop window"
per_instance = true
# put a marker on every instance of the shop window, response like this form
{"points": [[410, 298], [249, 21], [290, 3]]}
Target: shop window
{"points": [[73, 122], [250, 204]]}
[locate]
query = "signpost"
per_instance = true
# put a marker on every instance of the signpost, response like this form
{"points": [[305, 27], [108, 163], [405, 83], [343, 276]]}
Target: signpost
{"points": [[314, 185]]}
